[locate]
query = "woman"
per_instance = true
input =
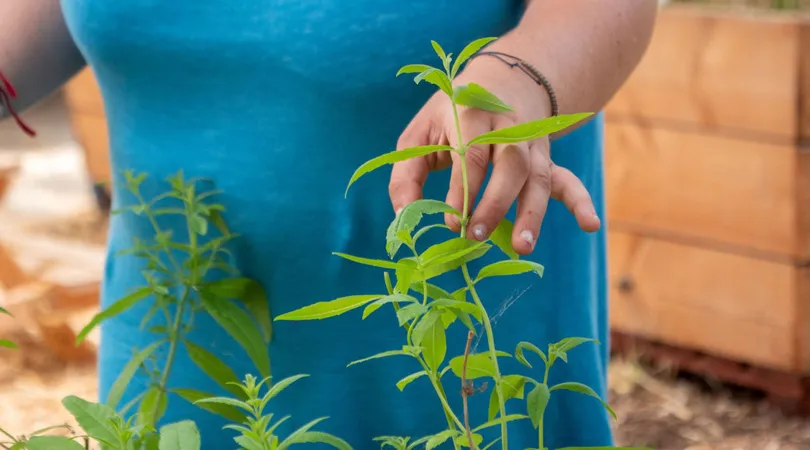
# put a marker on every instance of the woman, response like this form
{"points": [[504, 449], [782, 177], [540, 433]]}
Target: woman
{"points": [[278, 102]]}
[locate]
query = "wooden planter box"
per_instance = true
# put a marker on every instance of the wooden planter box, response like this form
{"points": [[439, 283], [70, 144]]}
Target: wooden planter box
{"points": [[89, 124], [708, 188]]}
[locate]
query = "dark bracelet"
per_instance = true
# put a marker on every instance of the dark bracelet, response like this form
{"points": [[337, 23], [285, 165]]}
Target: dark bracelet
{"points": [[529, 70]]}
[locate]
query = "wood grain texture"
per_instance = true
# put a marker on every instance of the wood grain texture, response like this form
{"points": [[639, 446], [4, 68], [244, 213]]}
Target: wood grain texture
{"points": [[731, 191], [724, 304], [720, 71]]}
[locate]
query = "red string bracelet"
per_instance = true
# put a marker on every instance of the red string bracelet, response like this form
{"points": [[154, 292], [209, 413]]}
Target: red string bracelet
{"points": [[7, 93]]}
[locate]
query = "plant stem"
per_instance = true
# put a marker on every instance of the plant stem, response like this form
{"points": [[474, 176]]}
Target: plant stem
{"points": [[452, 419], [492, 353], [465, 391], [540, 445], [174, 338], [471, 286]]}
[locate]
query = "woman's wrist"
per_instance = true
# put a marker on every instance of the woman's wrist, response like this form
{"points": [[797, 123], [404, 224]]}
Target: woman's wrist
{"points": [[513, 85]]}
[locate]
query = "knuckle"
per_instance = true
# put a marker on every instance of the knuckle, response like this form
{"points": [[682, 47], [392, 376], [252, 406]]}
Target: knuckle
{"points": [[541, 178], [478, 157]]}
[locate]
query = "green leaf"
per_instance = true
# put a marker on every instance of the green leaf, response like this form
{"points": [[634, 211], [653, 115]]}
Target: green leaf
{"points": [[424, 230], [433, 340], [495, 441], [295, 435], [52, 443], [468, 51], [252, 294], [437, 78], [380, 355], [241, 328], [113, 310], [198, 224], [8, 344], [394, 157], [224, 401], [120, 385], [531, 347], [410, 312], [5, 311], [560, 349], [529, 131], [476, 96], [433, 291], [369, 262], [227, 411], [409, 218], [214, 367], [499, 421], [512, 387], [152, 407], [317, 437], [405, 273], [407, 380], [450, 255], [332, 308], [423, 326], [219, 222], [440, 438], [283, 384], [94, 418], [453, 304], [509, 267], [182, 435], [462, 440], [478, 365], [393, 298], [502, 238], [439, 50], [414, 68], [536, 403], [583, 389]]}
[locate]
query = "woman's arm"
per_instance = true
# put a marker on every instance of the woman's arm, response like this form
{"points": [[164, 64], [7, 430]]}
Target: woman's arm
{"points": [[37, 53], [585, 48]]}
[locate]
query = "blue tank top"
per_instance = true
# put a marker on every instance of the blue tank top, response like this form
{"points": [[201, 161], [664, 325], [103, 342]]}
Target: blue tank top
{"points": [[277, 102]]}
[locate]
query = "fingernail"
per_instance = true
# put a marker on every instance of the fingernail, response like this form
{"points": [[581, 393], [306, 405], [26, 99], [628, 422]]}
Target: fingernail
{"points": [[398, 211], [527, 236], [480, 231]]}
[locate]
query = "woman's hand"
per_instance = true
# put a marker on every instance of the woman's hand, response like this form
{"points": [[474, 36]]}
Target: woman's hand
{"points": [[522, 172]]}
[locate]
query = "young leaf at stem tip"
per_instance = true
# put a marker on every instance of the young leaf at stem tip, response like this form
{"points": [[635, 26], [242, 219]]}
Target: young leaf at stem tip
{"points": [[394, 157], [468, 51], [529, 131], [476, 96], [437, 78], [531, 347], [410, 216]]}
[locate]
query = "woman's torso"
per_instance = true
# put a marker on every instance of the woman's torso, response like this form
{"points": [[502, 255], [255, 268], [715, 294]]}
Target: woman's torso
{"points": [[278, 101]]}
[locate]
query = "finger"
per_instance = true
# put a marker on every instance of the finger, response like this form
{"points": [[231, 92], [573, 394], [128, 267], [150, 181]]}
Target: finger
{"points": [[510, 172], [474, 122], [408, 177], [532, 201], [568, 188]]}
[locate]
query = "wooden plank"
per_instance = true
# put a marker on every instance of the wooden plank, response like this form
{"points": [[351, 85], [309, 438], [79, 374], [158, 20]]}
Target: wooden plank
{"points": [[719, 71], [724, 304], [733, 191]]}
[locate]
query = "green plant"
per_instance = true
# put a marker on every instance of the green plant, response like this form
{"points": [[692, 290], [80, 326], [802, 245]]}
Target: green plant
{"points": [[425, 310], [5, 342], [183, 277], [256, 430]]}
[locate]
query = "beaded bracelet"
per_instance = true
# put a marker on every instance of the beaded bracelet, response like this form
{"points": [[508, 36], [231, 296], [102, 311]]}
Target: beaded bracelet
{"points": [[529, 70]]}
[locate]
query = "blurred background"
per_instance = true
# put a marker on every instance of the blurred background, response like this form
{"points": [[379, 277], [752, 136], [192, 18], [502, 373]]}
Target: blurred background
{"points": [[708, 185]]}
